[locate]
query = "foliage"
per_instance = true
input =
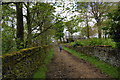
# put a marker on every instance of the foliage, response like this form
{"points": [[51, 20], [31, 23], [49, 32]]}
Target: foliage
{"points": [[106, 68], [8, 40], [8, 31], [105, 28], [41, 72], [35, 27], [77, 43], [94, 42], [59, 30], [72, 26], [84, 31], [96, 11], [114, 27]]}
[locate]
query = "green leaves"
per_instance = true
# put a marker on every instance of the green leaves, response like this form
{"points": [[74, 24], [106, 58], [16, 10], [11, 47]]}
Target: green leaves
{"points": [[41, 16], [72, 25], [59, 27], [67, 8], [114, 26]]}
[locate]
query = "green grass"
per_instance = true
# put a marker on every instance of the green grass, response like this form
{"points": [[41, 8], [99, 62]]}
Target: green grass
{"points": [[106, 68], [41, 73], [93, 42]]}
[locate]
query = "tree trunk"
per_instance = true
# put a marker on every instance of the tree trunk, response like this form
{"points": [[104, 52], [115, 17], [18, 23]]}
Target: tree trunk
{"points": [[60, 39], [63, 39], [105, 34], [99, 28], [88, 35], [29, 26], [20, 28]]}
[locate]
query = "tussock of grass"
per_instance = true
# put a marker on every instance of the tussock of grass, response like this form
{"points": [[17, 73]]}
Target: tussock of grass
{"points": [[106, 68], [41, 73]]}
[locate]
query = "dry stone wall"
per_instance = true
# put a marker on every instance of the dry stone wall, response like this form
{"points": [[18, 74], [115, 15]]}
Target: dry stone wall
{"points": [[24, 63], [107, 54]]}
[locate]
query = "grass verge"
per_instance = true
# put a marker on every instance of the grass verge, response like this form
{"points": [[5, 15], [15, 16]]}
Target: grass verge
{"points": [[106, 68], [41, 73]]}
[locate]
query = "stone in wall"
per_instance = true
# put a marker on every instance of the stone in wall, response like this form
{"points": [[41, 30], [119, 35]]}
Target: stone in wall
{"points": [[24, 63], [107, 54]]}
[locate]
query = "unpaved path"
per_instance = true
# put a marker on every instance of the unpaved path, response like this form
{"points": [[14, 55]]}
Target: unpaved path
{"points": [[64, 65]]}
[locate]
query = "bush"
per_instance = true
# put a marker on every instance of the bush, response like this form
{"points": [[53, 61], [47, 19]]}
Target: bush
{"points": [[114, 25], [78, 43], [95, 42]]}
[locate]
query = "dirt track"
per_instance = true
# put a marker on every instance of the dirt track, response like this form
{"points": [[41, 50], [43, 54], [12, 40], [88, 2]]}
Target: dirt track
{"points": [[64, 65]]}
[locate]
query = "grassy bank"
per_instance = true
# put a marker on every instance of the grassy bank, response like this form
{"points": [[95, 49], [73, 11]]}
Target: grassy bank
{"points": [[106, 68], [93, 42], [41, 73]]}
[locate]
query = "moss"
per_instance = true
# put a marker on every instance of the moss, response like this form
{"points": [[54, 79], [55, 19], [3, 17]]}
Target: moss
{"points": [[18, 52], [45, 45], [22, 64]]}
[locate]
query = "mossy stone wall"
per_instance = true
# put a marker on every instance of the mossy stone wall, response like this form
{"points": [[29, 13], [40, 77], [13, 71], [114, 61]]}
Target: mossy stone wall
{"points": [[23, 63]]}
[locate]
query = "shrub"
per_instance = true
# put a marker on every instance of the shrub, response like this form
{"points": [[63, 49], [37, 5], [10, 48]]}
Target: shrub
{"points": [[78, 43]]}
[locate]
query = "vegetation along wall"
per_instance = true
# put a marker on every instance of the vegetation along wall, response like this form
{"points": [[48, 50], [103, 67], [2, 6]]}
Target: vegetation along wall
{"points": [[23, 63], [107, 54]]}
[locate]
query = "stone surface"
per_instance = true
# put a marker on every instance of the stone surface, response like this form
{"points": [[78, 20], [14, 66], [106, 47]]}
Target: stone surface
{"points": [[24, 63]]}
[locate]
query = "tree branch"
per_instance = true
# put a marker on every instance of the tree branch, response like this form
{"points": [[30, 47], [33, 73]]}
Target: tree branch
{"points": [[7, 3], [47, 28]]}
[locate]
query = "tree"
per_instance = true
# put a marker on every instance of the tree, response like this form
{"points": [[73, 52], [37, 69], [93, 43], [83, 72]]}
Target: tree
{"points": [[19, 16], [29, 27], [83, 10], [99, 11], [114, 26], [41, 13], [72, 26], [20, 28], [105, 28], [96, 10], [59, 30], [8, 28], [84, 31]]}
